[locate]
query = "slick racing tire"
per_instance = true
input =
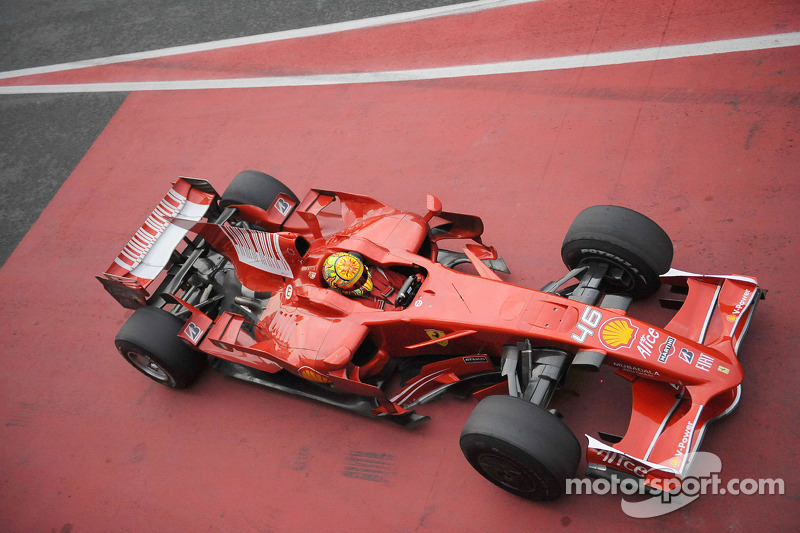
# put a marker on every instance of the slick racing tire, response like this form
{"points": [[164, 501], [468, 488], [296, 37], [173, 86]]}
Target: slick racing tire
{"points": [[520, 447], [634, 247], [251, 187], [149, 341]]}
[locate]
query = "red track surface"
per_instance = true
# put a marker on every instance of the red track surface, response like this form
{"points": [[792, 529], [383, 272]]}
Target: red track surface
{"points": [[707, 146]]}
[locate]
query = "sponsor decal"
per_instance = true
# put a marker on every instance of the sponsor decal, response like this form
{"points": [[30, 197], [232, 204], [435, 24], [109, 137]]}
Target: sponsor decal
{"points": [[475, 359], [704, 362], [667, 349], [740, 306], [737, 310], [647, 341], [193, 331], [434, 334], [622, 461], [418, 303], [312, 375], [282, 206], [723, 369], [683, 445], [609, 255], [635, 369], [617, 333], [588, 323], [686, 355], [288, 293]]}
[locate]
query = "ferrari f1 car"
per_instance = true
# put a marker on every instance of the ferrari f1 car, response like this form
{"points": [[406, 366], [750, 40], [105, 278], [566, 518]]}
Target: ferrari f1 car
{"points": [[241, 281]]}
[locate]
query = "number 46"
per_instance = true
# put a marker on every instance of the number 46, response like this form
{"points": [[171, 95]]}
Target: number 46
{"points": [[590, 319]]}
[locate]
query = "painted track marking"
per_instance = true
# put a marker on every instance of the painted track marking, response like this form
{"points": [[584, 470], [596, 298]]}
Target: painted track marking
{"points": [[373, 22], [747, 44]]}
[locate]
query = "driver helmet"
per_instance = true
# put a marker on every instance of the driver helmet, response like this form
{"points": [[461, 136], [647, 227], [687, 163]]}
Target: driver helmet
{"points": [[348, 273]]}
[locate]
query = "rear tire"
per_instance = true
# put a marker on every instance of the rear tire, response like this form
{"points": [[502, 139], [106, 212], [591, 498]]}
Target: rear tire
{"points": [[636, 249], [520, 447], [251, 187], [149, 341]]}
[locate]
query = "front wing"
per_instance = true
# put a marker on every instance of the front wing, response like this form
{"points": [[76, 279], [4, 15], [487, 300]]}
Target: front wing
{"points": [[668, 420]]}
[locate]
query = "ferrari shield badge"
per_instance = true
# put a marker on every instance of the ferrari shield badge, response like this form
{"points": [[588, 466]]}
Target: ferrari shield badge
{"points": [[436, 334]]}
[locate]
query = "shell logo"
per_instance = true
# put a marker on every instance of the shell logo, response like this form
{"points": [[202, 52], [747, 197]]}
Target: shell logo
{"points": [[618, 332], [675, 462], [312, 375]]}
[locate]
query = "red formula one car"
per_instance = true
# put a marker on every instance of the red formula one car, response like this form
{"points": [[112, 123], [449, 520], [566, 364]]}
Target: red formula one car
{"points": [[336, 306]]}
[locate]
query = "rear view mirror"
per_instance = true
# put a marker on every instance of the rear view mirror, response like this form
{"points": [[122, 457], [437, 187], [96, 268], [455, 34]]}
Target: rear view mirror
{"points": [[434, 208]]}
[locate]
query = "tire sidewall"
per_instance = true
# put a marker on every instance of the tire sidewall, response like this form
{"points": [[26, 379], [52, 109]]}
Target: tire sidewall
{"points": [[581, 252], [153, 332], [126, 348], [482, 447], [622, 238], [528, 436]]}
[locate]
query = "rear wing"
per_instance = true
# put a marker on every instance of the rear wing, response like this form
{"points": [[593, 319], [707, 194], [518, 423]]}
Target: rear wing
{"points": [[150, 249]]}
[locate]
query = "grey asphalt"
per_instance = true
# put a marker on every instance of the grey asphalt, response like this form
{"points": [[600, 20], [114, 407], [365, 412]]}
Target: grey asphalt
{"points": [[44, 137]]}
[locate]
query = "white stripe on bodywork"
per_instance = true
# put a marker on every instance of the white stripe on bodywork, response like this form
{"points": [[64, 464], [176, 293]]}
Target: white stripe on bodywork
{"points": [[597, 445], [710, 313], [258, 249], [690, 449], [675, 273], [405, 395]]}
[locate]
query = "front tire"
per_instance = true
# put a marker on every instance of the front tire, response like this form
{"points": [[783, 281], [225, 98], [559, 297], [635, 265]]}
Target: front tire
{"points": [[520, 447], [634, 247], [149, 341]]}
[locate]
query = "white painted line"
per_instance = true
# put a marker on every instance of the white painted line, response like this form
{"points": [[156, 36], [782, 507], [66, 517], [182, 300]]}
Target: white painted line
{"points": [[487, 69], [411, 16]]}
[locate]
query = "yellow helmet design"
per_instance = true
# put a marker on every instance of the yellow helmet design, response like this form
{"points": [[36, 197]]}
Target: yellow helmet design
{"points": [[347, 273]]}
